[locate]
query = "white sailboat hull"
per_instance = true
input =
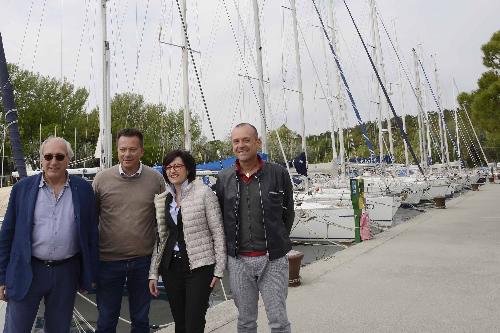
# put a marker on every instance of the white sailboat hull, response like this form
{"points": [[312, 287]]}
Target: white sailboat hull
{"points": [[316, 222]]}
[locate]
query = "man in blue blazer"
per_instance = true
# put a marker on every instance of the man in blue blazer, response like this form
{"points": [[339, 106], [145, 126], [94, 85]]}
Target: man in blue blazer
{"points": [[48, 243]]}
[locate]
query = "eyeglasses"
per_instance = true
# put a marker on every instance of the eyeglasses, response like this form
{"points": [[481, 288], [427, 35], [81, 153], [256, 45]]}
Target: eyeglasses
{"points": [[49, 157], [174, 167]]}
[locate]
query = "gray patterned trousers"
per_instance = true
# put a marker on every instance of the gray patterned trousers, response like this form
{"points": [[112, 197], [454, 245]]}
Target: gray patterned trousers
{"points": [[249, 276]]}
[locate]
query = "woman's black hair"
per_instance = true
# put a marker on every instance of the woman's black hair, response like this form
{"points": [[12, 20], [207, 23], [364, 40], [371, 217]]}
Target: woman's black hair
{"points": [[186, 158]]}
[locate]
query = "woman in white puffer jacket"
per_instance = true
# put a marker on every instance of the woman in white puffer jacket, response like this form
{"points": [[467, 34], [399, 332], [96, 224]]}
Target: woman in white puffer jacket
{"points": [[190, 253]]}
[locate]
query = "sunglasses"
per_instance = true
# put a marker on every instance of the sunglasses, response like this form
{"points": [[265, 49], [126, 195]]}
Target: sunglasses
{"points": [[49, 157], [174, 167]]}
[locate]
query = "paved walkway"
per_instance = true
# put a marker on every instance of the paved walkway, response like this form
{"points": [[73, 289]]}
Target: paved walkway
{"points": [[439, 272]]}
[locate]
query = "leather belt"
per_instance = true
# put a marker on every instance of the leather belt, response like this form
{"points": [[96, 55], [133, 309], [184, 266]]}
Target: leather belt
{"points": [[52, 263]]}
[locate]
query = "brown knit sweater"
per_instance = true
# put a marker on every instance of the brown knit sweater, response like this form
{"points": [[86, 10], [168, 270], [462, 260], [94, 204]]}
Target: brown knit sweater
{"points": [[127, 224]]}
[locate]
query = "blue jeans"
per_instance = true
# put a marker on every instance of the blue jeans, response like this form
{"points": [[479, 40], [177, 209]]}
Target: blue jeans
{"points": [[57, 286], [110, 282]]}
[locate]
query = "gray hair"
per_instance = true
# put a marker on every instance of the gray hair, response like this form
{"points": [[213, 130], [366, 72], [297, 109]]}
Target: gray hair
{"points": [[69, 151]]}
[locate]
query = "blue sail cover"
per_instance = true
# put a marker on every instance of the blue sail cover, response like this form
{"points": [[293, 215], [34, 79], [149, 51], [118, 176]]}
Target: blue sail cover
{"points": [[216, 165]]}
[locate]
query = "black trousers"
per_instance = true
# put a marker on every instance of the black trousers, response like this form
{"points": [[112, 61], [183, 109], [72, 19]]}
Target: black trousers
{"points": [[188, 292]]}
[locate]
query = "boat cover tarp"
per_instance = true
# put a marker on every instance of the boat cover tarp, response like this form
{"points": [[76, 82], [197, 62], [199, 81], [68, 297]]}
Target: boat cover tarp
{"points": [[226, 163]]}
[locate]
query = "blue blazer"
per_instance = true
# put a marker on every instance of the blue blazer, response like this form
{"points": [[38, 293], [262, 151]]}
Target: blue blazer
{"points": [[17, 227]]}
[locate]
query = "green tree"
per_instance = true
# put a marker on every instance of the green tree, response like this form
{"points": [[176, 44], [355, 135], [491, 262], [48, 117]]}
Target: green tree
{"points": [[484, 103], [163, 129], [47, 106]]}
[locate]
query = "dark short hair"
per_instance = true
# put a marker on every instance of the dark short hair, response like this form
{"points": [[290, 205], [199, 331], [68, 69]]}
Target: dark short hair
{"points": [[187, 159], [248, 124], [131, 132]]}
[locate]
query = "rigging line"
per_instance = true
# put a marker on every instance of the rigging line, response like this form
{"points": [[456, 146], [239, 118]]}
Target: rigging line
{"points": [[152, 68], [38, 34], [398, 119], [25, 32], [468, 140], [138, 55], [405, 73], [85, 21], [207, 60], [139, 49], [432, 129], [267, 101], [245, 37], [467, 114], [466, 143], [261, 84], [346, 85], [79, 316], [188, 44], [325, 95], [197, 33], [440, 112], [85, 298], [350, 61], [92, 43], [84, 29], [474, 131], [264, 44], [120, 42], [283, 64], [173, 90], [242, 58], [113, 46]]}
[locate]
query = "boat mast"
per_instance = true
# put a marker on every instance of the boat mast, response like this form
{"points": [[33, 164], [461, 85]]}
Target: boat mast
{"points": [[459, 158], [260, 74], [378, 58], [426, 120], [185, 81], [421, 135], [299, 77], [105, 114], [299, 83], [329, 99], [444, 140], [401, 86], [340, 94], [377, 88]]}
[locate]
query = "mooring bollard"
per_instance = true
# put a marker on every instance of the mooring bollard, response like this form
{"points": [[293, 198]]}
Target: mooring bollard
{"points": [[475, 187], [294, 262], [439, 202]]}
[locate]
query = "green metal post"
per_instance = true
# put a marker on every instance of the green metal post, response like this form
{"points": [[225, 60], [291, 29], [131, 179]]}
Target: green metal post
{"points": [[357, 198]]}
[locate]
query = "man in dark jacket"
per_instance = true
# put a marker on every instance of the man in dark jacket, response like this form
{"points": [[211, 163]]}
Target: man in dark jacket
{"points": [[48, 243], [256, 200]]}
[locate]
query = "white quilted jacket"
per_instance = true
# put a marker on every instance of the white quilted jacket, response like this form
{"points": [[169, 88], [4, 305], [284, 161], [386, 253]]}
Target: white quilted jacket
{"points": [[202, 225]]}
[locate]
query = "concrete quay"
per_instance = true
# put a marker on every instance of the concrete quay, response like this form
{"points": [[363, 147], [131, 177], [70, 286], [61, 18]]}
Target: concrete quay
{"points": [[439, 272]]}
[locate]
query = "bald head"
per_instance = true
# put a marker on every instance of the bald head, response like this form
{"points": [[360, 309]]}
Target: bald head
{"points": [[248, 125]]}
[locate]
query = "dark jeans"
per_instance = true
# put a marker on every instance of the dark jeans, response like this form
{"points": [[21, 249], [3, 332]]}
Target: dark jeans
{"points": [[110, 282], [57, 286], [188, 293]]}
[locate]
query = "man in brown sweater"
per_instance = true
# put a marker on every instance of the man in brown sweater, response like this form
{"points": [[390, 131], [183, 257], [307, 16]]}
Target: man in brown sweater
{"points": [[127, 231]]}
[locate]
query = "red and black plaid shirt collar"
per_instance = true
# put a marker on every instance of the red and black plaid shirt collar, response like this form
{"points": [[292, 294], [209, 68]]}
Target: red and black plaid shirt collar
{"points": [[243, 176]]}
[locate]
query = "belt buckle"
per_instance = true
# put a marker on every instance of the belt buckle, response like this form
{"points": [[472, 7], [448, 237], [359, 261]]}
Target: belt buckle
{"points": [[48, 263]]}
